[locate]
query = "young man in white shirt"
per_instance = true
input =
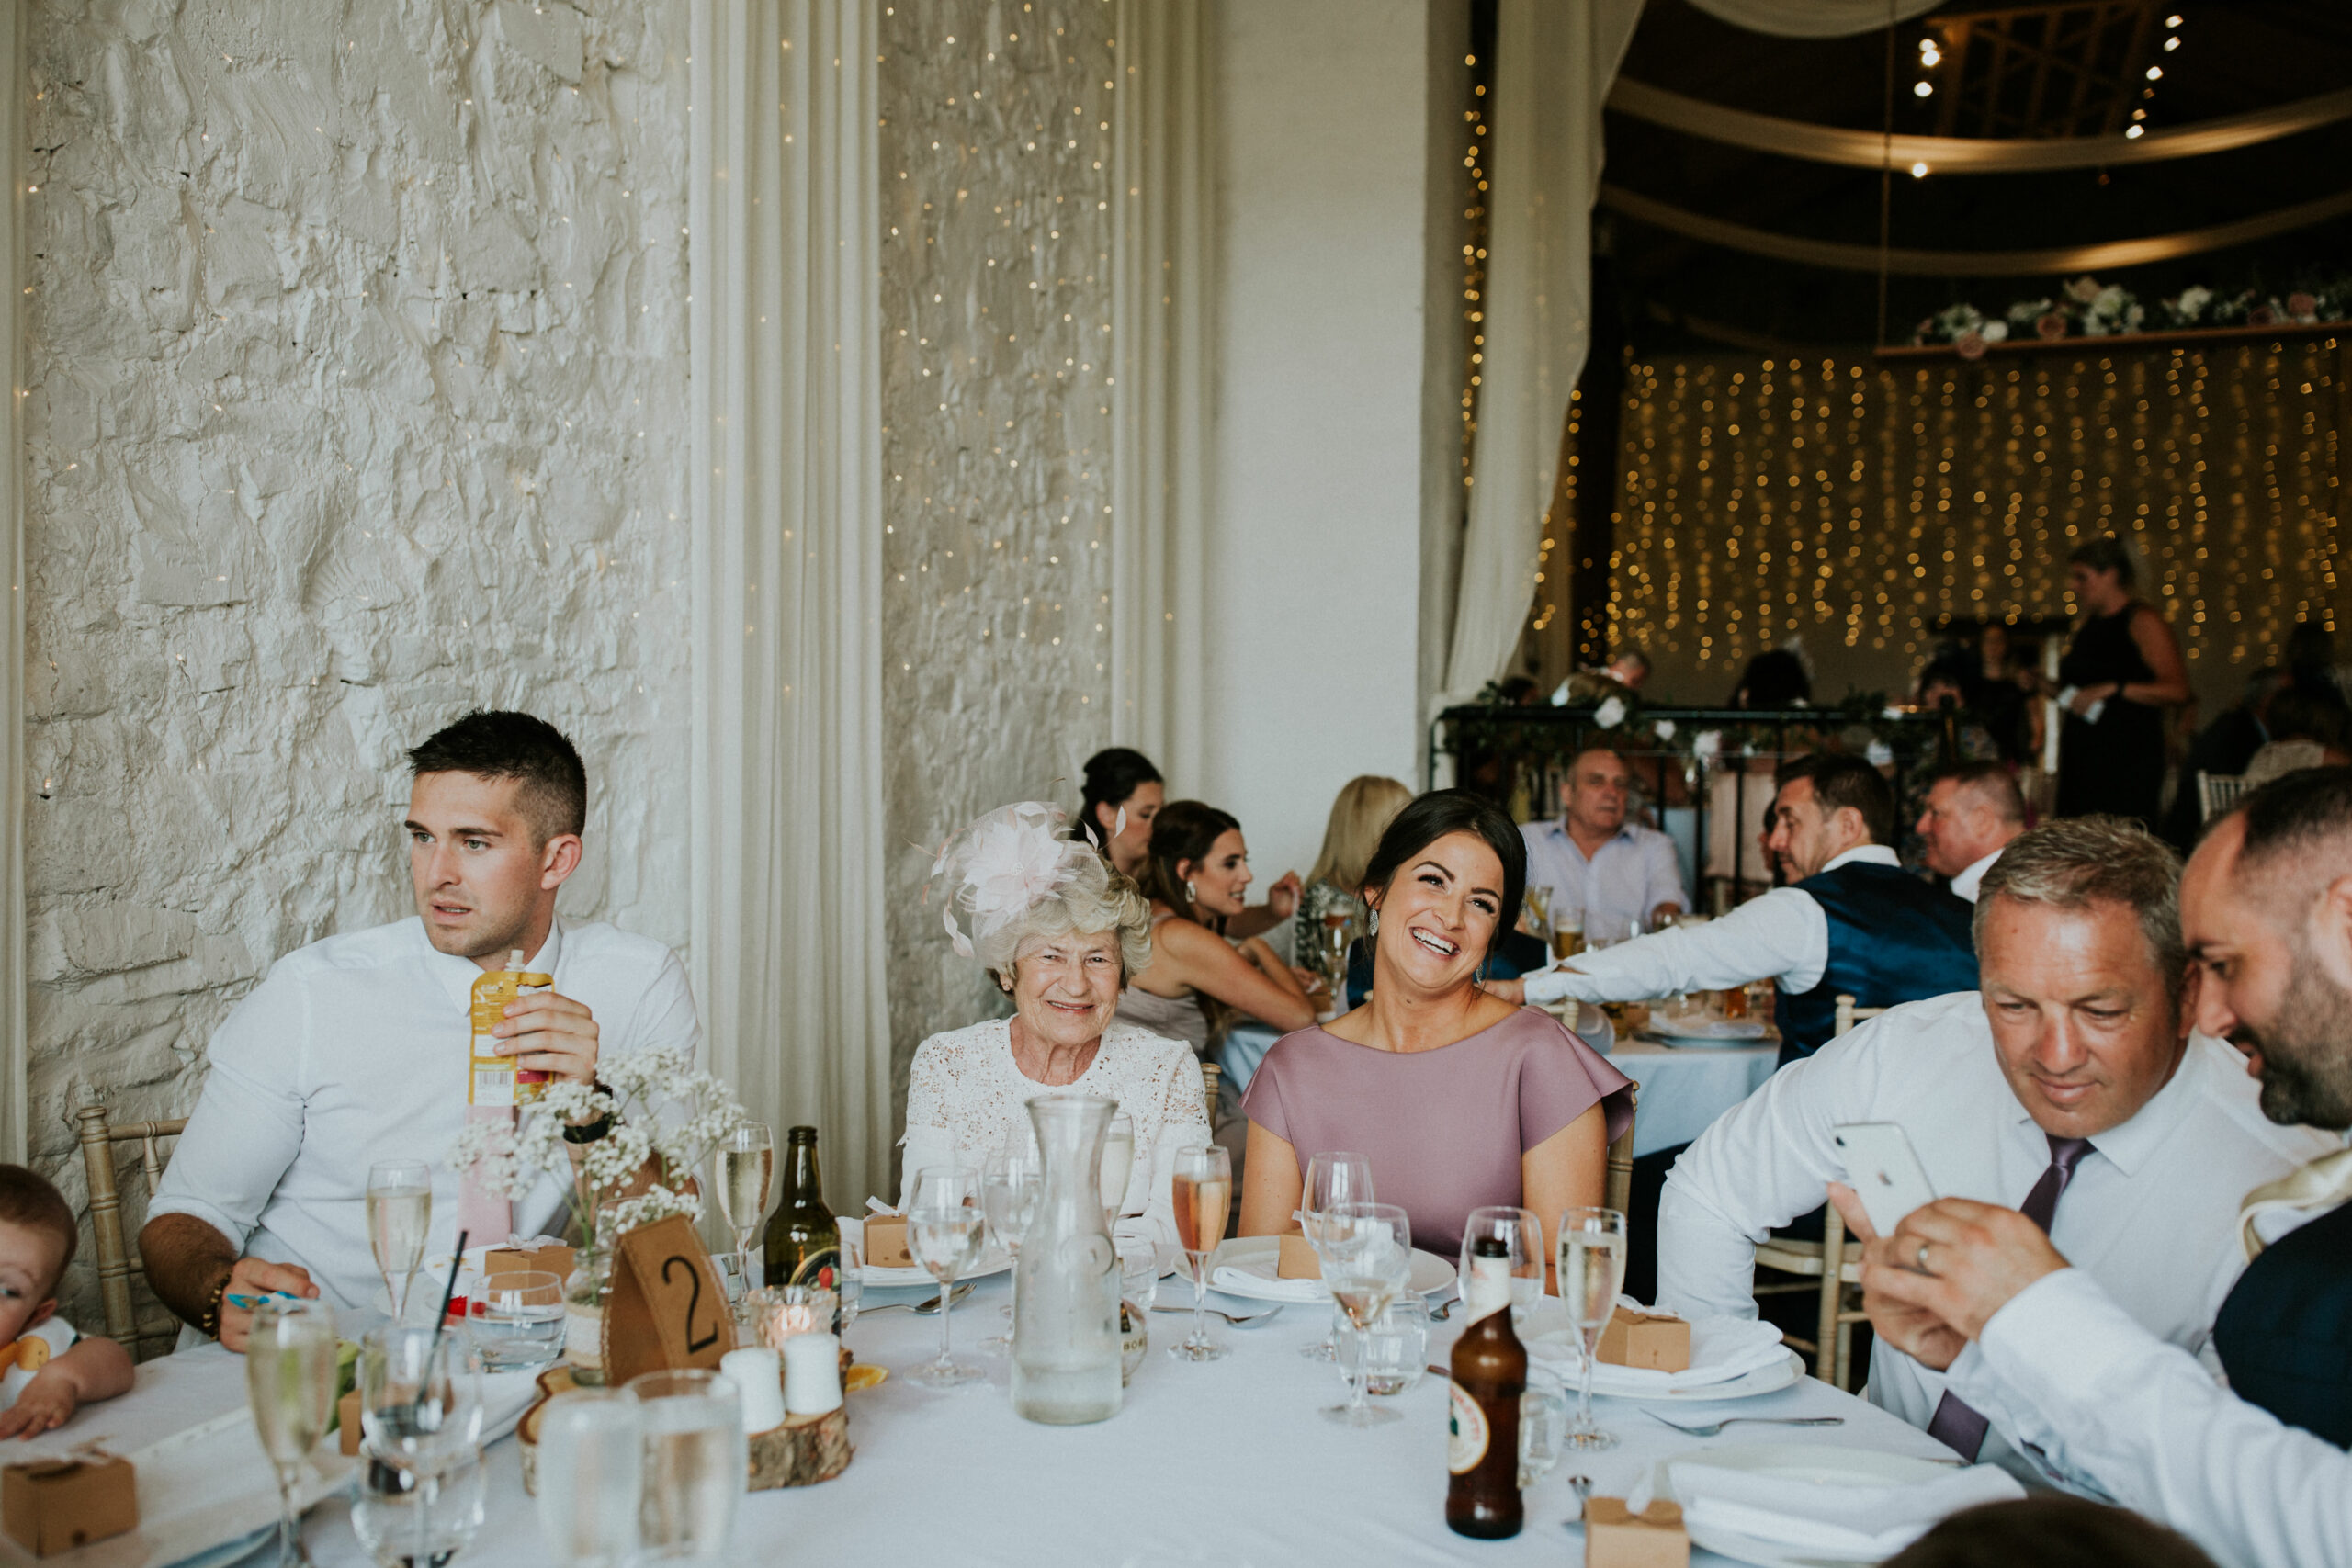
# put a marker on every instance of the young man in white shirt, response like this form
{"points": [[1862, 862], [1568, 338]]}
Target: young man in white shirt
{"points": [[1853, 922], [1594, 860], [2071, 1083], [1973, 810], [2026, 1331], [356, 1048]]}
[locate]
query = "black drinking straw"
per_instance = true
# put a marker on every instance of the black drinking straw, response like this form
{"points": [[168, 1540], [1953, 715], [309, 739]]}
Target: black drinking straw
{"points": [[432, 1351]]}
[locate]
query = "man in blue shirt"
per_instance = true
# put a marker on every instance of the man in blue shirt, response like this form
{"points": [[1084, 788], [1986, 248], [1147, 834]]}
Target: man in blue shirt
{"points": [[1595, 861]]}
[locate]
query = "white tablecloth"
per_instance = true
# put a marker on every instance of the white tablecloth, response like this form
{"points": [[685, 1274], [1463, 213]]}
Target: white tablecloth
{"points": [[1226, 1464], [1684, 1089]]}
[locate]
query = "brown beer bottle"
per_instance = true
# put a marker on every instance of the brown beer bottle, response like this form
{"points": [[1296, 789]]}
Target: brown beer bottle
{"points": [[803, 1244], [1489, 1375]]}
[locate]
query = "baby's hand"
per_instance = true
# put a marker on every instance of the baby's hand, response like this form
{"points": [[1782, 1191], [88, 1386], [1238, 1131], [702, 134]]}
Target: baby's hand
{"points": [[47, 1404]]}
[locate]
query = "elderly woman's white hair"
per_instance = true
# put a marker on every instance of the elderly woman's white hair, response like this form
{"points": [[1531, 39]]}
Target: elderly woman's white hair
{"points": [[1017, 874]]}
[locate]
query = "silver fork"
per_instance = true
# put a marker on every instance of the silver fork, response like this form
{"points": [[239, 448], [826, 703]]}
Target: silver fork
{"points": [[925, 1307], [1248, 1320], [1710, 1429]]}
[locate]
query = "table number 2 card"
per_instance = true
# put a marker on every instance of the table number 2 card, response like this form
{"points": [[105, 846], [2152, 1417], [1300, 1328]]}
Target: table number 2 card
{"points": [[668, 1308]]}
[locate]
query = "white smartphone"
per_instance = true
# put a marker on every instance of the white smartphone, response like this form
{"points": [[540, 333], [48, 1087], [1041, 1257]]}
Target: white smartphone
{"points": [[1882, 1166]]}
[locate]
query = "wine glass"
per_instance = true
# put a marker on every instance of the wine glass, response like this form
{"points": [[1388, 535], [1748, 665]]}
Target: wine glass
{"points": [[1592, 1270], [1331, 1180], [745, 1158], [1204, 1195], [1012, 1184], [946, 1227], [1366, 1250], [399, 1211], [1522, 1235], [591, 1472], [1118, 1162], [289, 1382]]}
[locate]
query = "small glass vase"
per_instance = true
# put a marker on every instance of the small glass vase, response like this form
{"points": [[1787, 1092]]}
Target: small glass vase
{"points": [[584, 1295]]}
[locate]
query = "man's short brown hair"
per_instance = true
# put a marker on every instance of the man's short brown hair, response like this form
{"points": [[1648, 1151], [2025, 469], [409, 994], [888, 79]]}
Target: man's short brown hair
{"points": [[26, 1199], [553, 793], [1993, 783]]}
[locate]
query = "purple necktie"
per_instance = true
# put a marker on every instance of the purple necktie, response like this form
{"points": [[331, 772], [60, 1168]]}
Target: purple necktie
{"points": [[1957, 1424]]}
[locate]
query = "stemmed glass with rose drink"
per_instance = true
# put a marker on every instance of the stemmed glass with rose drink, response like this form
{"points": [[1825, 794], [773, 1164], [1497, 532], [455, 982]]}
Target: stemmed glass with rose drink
{"points": [[1204, 1195]]}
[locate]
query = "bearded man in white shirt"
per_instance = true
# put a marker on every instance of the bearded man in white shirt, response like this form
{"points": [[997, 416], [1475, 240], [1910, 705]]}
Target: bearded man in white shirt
{"points": [[2028, 1332], [1973, 810], [2070, 1085], [1595, 859], [357, 1048]]}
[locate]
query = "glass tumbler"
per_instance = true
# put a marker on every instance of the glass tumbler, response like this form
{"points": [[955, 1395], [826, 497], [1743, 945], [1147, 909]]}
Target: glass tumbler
{"points": [[696, 1464]]}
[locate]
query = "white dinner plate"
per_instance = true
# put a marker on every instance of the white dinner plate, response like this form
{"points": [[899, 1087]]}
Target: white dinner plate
{"points": [[1256, 1254], [1748, 1385], [1821, 1465], [993, 1261]]}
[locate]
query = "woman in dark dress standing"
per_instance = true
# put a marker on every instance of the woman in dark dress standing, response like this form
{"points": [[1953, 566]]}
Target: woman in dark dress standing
{"points": [[2121, 670]]}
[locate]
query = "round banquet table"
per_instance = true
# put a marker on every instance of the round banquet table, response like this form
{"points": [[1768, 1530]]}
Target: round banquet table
{"points": [[1226, 1462]]}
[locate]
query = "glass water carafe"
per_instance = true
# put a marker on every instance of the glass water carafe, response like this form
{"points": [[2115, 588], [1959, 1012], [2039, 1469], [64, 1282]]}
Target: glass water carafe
{"points": [[1065, 1335]]}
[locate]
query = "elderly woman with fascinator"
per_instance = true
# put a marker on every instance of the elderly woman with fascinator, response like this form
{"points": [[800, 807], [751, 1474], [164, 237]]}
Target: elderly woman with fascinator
{"points": [[1059, 932]]}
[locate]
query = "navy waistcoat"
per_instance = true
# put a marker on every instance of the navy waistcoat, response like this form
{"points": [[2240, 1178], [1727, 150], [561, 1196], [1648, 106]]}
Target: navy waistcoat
{"points": [[1894, 937], [2285, 1334]]}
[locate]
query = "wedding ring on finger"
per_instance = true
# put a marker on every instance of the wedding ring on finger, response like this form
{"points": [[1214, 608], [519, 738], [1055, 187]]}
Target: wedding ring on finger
{"points": [[1920, 1259]]}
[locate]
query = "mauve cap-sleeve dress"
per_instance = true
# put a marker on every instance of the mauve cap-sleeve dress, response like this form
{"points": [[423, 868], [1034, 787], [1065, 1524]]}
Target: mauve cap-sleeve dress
{"points": [[1443, 1129]]}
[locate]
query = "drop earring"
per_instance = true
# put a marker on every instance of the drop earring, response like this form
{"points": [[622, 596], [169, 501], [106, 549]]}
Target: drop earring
{"points": [[1375, 922], [1191, 896]]}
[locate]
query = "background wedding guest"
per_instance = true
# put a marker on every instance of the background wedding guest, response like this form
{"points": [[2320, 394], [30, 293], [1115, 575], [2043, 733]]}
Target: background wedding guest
{"points": [[2001, 689], [1362, 812], [2123, 668], [37, 1237], [2256, 1471], [1457, 1099], [1773, 679], [1199, 980], [2070, 1082], [1058, 931], [1972, 811], [1595, 859], [2048, 1531], [2304, 732], [1122, 794], [355, 1048], [2223, 747]]}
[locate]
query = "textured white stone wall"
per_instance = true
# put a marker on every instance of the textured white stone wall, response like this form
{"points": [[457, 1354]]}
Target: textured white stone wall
{"points": [[995, 159], [357, 378]]}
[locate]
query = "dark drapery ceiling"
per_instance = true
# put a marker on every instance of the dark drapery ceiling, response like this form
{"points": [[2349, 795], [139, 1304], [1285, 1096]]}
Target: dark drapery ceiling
{"points": [[2059, 67]]}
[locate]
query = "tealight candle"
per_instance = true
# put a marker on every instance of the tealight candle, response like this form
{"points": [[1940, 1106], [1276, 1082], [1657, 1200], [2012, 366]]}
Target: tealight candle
{"points": [[812, 1374], [756, 1372]]}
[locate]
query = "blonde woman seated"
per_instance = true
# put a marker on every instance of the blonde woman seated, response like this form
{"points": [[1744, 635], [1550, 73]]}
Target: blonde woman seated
{"points": [[1058, 931], [1458, 1098], [1365, 806]]}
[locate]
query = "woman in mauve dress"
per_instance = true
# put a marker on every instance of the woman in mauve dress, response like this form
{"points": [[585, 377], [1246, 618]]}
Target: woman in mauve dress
{"points": [[1458, 1098]]}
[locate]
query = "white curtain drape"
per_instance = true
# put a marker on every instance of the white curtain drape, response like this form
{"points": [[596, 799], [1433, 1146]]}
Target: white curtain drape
{"points": [[1552, 67], [785, 343], [1815, 19], [1160, 263]]}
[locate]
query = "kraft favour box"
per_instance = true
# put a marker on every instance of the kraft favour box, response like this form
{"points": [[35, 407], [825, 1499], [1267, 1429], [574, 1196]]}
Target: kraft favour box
{"points": [[1614, 1537], [55, 1505], [553, 1257], [1297, 1260], [1656, 1340], [886, 1241]]}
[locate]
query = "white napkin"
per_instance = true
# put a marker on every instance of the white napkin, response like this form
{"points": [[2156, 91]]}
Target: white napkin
{"points": [[1866, 1522], [1255, 1277], [1721, 1348]]}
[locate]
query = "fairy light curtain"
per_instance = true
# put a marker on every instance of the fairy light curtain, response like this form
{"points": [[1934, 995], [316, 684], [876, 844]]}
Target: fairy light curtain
{"points": [[1855, 504]]}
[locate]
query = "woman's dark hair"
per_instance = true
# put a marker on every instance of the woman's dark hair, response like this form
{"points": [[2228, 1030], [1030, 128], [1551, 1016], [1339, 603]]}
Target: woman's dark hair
{"points": [[1112, 776], [1433, 817], [1183, 831], [2105, 553], [1774, 679], [2049, 1532]]}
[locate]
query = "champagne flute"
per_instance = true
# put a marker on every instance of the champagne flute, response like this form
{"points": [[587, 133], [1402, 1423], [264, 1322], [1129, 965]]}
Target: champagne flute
{"points": [[1012, 1184], [289, 1383], [946, 1227], [745, 1158], [1592, 1270], [1119, 1163], [1522, 1235], [1366, 1250], [1331, 1180], [399, 1213], [1204, 1195]]}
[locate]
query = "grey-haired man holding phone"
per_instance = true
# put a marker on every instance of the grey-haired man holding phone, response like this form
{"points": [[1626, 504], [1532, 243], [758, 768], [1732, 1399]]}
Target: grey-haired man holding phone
{"points": [[2068, 1086]]}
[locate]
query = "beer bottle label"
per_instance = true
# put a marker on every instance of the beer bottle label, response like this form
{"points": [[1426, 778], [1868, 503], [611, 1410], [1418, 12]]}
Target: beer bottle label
{"points": [[821, 1266], [1466, 1434]]}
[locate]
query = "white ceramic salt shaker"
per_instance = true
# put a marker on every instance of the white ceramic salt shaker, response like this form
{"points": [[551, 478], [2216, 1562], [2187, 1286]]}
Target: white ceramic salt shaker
{"points": [[812, 1374], [753, 1371]]}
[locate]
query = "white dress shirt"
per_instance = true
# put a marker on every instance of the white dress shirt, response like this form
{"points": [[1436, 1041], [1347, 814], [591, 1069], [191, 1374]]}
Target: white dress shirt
{"points": [[1632, 872], [1964, 886], [355, 1049], [2151, 1213], [1783, 936], [2073, 1373]]}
